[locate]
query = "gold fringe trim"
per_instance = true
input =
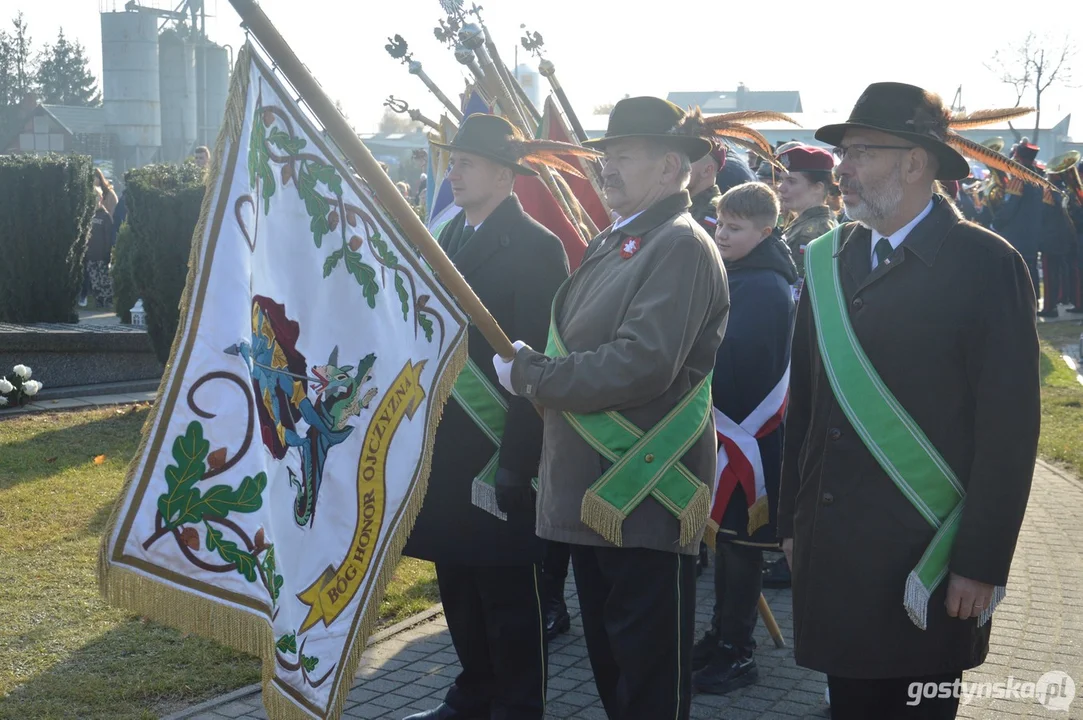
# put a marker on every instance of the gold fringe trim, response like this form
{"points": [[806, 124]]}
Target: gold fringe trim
{"points": [[187, 612], [710, 535], [758, 515], [602, 518], [693, 518]]}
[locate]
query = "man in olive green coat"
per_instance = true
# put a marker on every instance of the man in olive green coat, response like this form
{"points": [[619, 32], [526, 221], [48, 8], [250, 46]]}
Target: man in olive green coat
{"points": [[636, 331]]}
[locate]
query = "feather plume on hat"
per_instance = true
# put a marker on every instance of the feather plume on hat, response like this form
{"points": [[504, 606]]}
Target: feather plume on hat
{"points": [[984, 155], [732, 126], [549, 152]]}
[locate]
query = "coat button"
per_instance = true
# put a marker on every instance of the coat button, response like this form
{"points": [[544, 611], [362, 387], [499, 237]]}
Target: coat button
{"points": [[649, 458], [828, 498], [834, 434], [858, 303]]}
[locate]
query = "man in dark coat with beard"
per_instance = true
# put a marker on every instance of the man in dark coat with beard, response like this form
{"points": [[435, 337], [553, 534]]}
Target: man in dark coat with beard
{"points": [[914, 409], [487, 560], [749, 388]]}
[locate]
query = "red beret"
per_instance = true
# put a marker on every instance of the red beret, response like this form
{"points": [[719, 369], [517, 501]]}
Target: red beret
{"points": [[805, 158], [718, 152]]}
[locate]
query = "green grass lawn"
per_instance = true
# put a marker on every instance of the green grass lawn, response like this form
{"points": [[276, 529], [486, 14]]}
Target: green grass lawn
{"points": [[1062, 397], [65, 654]]}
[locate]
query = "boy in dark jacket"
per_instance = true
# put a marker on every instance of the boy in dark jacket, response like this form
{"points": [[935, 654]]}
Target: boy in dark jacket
{"points": [[749, 388]]}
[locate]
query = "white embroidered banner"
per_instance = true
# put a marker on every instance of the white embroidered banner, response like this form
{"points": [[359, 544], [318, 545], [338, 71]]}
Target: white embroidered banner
{"points": [[288, 451]]}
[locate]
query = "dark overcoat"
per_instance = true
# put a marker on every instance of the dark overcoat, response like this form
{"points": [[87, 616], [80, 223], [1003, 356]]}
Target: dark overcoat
{"points": [[949, 325], [514, 266]]}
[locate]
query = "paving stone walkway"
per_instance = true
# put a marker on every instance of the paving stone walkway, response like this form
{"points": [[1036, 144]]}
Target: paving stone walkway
{"points": [[1039, 628]]}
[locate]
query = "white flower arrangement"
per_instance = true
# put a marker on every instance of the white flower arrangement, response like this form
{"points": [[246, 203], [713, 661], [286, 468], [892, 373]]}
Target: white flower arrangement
{"points": [[17, 388]]}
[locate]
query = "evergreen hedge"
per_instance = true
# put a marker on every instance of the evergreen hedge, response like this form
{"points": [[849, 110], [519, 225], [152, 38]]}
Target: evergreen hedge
{"points": [[163, 204], [124, 292], [46, 205]]}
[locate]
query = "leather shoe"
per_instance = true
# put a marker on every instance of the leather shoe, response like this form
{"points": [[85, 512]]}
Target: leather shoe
{"points": [[704, 650], [557, 620], [443, 712], [727, 671]]}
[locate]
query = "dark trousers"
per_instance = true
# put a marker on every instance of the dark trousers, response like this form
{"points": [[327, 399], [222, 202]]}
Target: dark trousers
{"points": [[738, 581], [496, 623], [1054, 281], [555, 572], [638, 608], [891, 699], [1031, 259]]}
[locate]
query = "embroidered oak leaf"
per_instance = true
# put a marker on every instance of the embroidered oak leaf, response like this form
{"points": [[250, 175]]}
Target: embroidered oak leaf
{"points": [[274, 580], [404, 297], [217, 458], [259, 162], [332, 261], [189, 453], [221, 500], [285, 142], [245, 562], [190, 537], [365, 276], [426, 325], [287, 644], [309, 662]]}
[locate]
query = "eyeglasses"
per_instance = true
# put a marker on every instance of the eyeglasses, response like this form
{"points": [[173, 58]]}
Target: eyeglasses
{"points": [[857, 152]]}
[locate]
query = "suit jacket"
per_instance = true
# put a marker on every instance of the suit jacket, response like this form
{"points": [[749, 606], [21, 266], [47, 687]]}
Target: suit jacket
{"points": [[515, 266], [949, 325], [641, 332]]}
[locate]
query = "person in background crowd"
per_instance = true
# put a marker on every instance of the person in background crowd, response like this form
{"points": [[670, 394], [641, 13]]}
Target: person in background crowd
{"points": [[1018, 219], [703, 186], [751, 379], [96, 260], [936, 331], [1073, 202], [109, 195], [803, 191], [202, 156], [1057, 246], [404, 189], [734, 171]]}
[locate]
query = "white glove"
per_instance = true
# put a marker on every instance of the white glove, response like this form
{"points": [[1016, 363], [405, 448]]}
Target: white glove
{"points": [[503, 367]]}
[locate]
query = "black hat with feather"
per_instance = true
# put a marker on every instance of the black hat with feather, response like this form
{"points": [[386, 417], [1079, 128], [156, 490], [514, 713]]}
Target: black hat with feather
{"points": [[655, 119], [914, 114], [494, 138]]}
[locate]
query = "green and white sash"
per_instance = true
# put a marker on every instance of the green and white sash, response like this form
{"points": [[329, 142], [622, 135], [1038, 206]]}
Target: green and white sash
{"points": [[644, 464], [488, 409], [887, 430]]}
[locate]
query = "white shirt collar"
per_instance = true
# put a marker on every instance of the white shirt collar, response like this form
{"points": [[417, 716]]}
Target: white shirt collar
{"points": [[624, 221], [896, 238]]}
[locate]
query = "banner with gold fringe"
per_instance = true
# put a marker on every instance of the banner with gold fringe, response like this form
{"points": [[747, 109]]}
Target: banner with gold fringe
{"points": [[289, 449]]}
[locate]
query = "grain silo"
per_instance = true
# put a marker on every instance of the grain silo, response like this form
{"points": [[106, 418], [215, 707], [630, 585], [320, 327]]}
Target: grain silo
{"points": [[177, 84], [130, 86], [212, 78]]}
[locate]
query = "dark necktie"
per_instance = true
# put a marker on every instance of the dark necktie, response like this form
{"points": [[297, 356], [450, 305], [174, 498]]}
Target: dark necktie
{"points": [[882, 251]]}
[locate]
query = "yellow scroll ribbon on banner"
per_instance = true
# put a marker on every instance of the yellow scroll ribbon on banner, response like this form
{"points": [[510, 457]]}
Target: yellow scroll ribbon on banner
{"points": [[335, 588]]}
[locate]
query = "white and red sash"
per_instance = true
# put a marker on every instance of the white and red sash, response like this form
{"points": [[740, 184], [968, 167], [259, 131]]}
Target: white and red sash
{"points": [[739, 461]]}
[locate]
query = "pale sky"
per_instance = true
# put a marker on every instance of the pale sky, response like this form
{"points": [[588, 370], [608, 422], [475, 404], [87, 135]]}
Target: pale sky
{"points": [[829, 51]]}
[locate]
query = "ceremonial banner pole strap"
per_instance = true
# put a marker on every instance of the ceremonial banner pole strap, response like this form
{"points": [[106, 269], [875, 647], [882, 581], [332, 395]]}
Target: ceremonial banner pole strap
{"points": [[365, 164]]}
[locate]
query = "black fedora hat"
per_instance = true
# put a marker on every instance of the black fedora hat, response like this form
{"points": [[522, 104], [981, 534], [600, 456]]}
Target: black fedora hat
{"points": [[493, 138], [653, 118], [909, 112]]}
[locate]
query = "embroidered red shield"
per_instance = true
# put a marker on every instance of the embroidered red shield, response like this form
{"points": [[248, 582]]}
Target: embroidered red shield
{"points": [[630, 247]]}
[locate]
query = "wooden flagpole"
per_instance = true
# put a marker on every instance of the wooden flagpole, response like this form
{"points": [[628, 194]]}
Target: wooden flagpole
{"points": [[366, 166]]}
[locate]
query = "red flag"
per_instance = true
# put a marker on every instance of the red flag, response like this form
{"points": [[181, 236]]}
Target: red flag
{"points": [[540, 204], [553, 128]]}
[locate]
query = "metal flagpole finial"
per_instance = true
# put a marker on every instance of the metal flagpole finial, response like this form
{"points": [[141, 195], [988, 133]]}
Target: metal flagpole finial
{"points": [[452, 7], [399, 106], [398, 49], [532, 42], [472, 36], [448, 31]]}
